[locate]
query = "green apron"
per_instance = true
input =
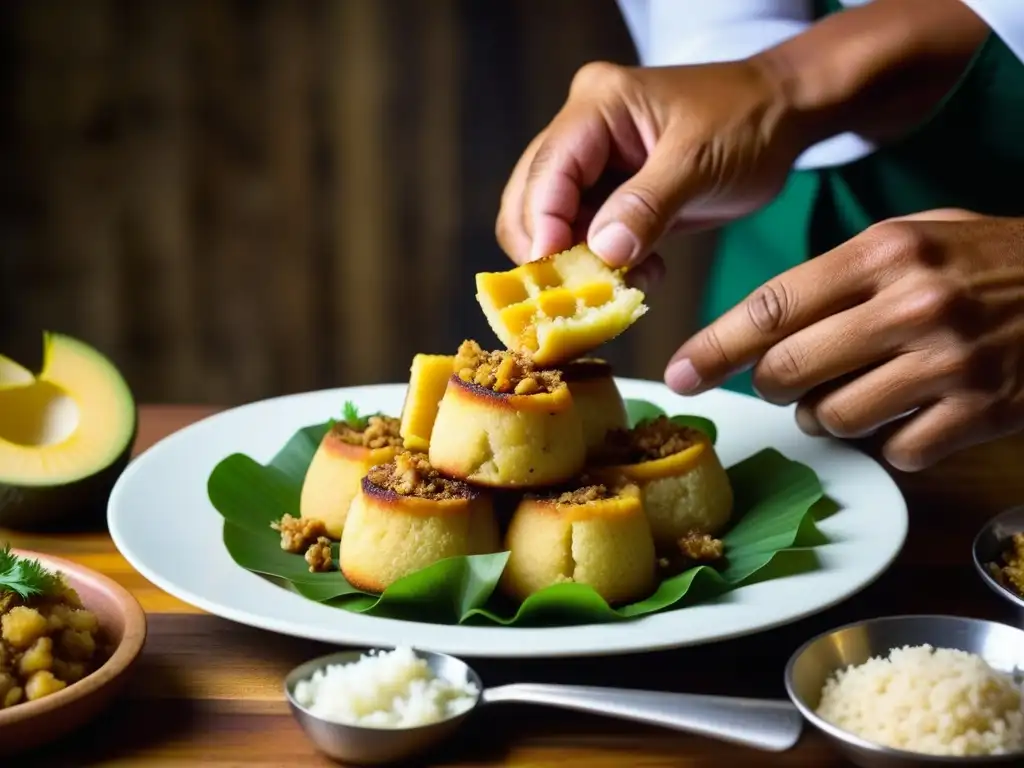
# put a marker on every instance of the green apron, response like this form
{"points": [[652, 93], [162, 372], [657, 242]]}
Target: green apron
{"points": [[968, 154]]}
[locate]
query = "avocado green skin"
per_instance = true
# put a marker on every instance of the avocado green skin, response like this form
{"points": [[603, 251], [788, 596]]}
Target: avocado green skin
{"points": [[79, 506]]}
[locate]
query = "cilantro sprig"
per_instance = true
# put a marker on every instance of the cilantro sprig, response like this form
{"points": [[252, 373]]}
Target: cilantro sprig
{"points": [[24, 576], [352, 419]]}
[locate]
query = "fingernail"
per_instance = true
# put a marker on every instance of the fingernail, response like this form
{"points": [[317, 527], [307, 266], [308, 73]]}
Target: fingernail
{"points": [[682, 377], [808, 424], [615, 244]]}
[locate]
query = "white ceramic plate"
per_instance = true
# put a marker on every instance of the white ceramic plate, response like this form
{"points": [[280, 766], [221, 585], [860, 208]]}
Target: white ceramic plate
{"points": [[163, 523]]}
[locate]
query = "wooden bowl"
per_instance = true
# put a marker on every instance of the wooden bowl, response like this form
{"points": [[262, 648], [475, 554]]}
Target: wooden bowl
{"points": [[31, 724]]}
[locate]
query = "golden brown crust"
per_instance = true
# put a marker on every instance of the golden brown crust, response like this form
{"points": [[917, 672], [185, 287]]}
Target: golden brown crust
{"points": [[557, 400], [503, 372], [361, 582], [380, 432], [411, 474], [1009, 569], [648, 441]]}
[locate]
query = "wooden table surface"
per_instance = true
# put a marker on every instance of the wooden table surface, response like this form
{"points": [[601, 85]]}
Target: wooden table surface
{"points": [[208, 692]]}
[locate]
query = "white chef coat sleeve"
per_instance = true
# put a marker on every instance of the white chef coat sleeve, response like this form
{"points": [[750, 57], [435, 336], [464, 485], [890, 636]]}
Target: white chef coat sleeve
{"points": [[1006, 20], [672, 32]]}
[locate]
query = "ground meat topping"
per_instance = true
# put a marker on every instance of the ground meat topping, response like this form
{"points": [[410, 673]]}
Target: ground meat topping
{"points": [[648, 441], [318, 555], [503, 371], [1010, 571], [298, 533], [701, 547], [692, 549], [583, 490], [584, 494], [308, 537], [411, 474], [380, 432]]}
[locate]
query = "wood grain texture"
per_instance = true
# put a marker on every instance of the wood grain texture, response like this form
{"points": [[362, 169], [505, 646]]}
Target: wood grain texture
{"points": [[237, 200], [208, 692]]}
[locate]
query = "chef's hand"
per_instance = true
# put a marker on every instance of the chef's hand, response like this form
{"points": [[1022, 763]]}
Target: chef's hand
{"points": [[693, 146], [921, 314]]}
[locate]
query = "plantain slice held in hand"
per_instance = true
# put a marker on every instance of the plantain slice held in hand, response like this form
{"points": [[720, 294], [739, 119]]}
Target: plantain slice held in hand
{"points": [[560, 307]]}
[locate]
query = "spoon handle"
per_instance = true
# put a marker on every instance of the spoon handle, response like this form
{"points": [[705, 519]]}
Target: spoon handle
{"points": [[772, 726]]}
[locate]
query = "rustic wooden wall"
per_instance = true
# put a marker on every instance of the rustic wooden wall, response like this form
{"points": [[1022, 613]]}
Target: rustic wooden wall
{"points": [[242, 199]]}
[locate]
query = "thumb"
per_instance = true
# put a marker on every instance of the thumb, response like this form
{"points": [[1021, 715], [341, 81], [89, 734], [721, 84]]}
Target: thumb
{"points": [[639, 212]]}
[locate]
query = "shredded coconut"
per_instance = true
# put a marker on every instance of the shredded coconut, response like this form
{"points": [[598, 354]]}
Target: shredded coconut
{"points": [[927, 700], [389, 689]]}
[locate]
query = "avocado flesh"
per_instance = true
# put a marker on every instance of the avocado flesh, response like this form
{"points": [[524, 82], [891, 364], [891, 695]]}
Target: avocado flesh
{"points": [[65, 436], [13, 375]]}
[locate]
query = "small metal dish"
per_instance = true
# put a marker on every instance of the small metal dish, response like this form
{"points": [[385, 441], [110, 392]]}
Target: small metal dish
{"points": [[990, 544], [365, 745], [1000, 645]]}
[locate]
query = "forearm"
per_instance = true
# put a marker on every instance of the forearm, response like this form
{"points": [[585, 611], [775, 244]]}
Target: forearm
{"points": [[875, 70]]}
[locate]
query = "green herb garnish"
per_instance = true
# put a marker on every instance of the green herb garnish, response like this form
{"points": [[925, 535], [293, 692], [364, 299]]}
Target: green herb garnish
{"points": [[25, 577], [352, 419]]}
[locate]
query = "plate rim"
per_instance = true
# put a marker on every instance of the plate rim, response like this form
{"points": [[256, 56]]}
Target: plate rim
{"points": [[624, 646]]}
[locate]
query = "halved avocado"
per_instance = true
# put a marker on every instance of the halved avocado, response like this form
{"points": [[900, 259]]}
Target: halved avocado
{"points": [[65, 436]]}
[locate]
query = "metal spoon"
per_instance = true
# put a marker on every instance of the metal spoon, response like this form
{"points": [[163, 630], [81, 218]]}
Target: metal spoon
{"points": [[768, 725]]}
